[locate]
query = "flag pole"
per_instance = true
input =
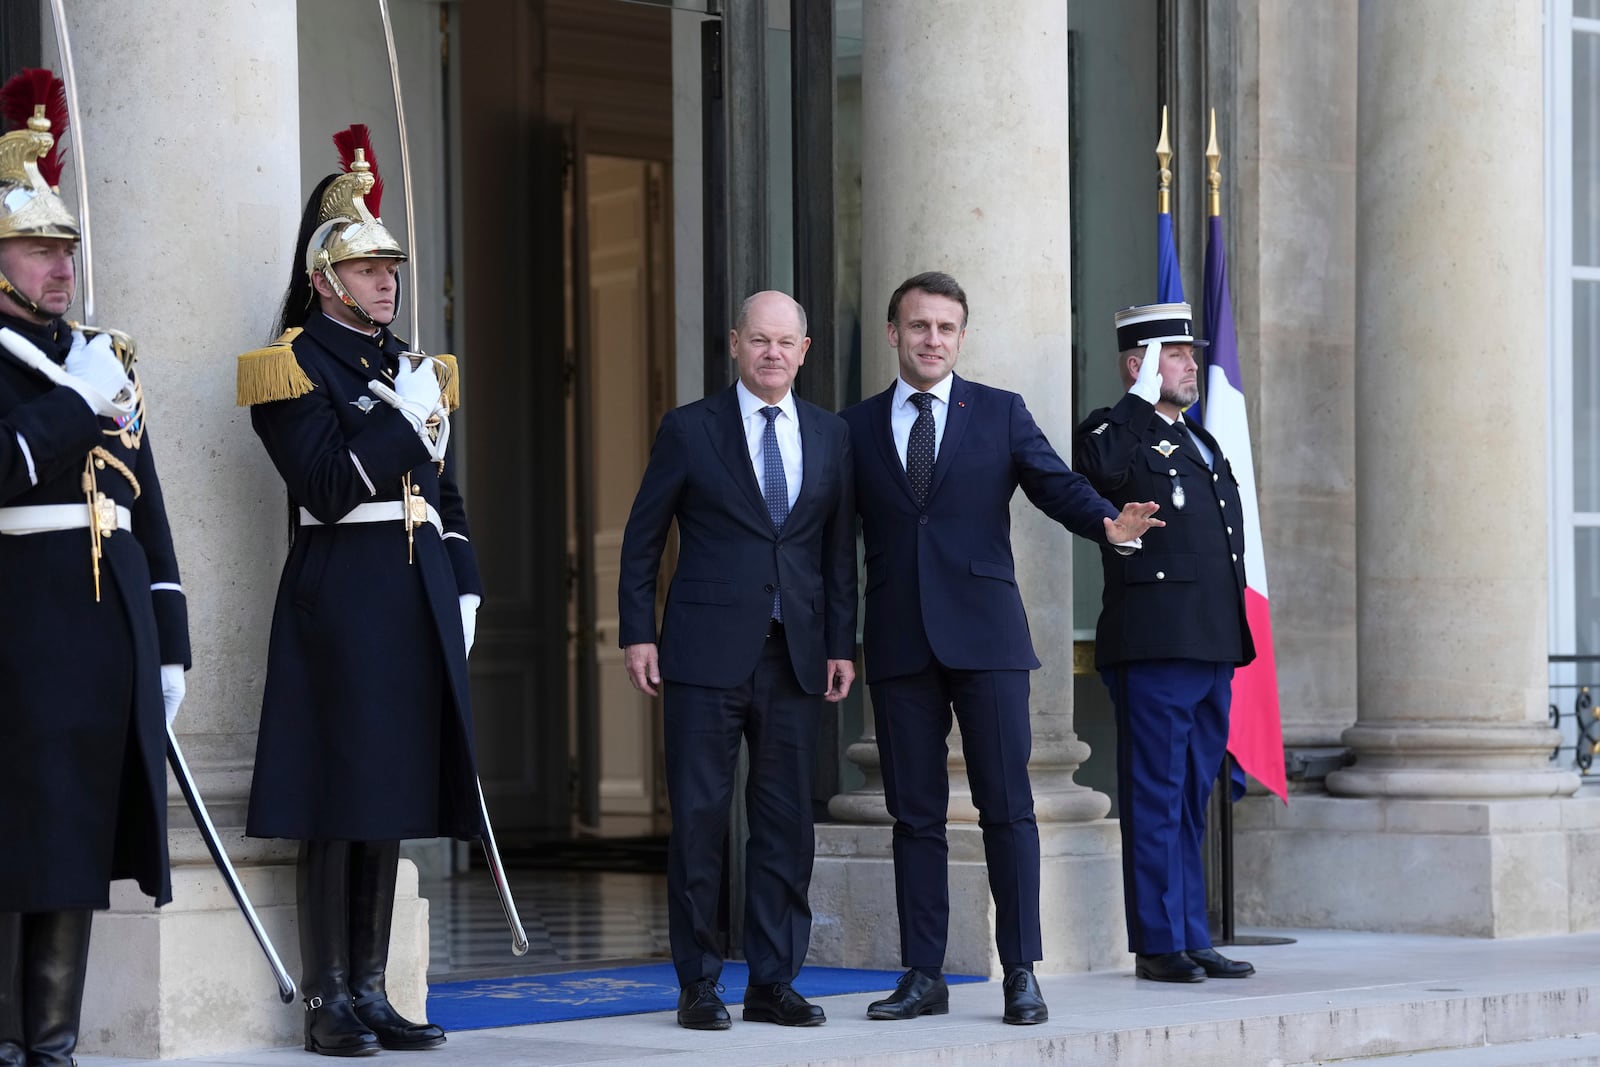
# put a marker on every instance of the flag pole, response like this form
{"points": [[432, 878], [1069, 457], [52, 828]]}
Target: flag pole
{"points": [[1225, 774], [1164, 161]]}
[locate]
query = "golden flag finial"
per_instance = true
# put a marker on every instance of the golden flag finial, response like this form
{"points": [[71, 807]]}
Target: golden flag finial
{"points": [[1213, 171], [1164, 158]]}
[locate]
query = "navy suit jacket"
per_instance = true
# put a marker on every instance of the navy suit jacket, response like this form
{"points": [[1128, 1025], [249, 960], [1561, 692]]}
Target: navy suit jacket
{"points": [[941, 582], [730, 558]]}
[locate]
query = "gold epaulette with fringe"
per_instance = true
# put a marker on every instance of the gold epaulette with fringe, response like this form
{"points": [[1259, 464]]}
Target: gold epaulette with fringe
{"points": [[449, 374], [272, 373]]}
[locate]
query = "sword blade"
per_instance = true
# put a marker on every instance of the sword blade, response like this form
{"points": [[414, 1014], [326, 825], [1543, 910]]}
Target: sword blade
{"points": [[519, 937], [69, 78], [405, 174], [208, 833]]}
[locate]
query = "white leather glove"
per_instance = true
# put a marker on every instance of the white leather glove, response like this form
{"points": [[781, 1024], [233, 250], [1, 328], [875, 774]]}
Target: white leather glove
{"points": [[417, 396], [172, 689], [469, 617], [97, 375], [1147, 386]]}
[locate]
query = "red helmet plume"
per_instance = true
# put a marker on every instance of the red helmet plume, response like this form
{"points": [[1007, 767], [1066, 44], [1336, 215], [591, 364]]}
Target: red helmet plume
{"points": [[18, 98], [347, 141]]}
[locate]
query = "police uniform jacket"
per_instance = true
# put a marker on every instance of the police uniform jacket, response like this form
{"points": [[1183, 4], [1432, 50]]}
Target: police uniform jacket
{"points": [[366, 727], [83, 785], [1182, 595]]}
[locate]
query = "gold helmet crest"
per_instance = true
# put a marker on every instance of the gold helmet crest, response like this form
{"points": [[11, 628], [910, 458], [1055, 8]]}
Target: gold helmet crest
{"points": [[349, 226], [35, 103]]}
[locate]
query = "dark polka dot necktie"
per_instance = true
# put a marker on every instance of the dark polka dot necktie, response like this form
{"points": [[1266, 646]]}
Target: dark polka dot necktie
{"points": [[919, 449], [774, 488]]}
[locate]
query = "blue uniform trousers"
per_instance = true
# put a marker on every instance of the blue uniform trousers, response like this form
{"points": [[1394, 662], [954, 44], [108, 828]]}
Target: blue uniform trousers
{"points": [[1172, 732]]}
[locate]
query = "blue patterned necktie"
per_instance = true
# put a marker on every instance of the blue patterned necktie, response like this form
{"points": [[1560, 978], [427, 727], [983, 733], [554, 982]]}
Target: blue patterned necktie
{"points": [[774, 488], [919, 448]]}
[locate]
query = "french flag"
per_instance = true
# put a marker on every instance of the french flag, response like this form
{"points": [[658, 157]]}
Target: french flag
{"points": [[1255, 730]]}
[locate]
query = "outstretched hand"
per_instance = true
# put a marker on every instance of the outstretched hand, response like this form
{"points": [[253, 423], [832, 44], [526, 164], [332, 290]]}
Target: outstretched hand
{"points": [[1132, 523]]}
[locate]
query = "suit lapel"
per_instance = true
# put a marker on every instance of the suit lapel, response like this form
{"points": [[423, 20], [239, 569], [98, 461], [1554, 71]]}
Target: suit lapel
{"points": [[811, 458], [883, 434], [957, 413], [727, 438]]}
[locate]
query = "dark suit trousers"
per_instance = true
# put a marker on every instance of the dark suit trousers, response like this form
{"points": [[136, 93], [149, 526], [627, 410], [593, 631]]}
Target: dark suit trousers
{"points": [[1172, 731], [913, 715], [778, 720]]}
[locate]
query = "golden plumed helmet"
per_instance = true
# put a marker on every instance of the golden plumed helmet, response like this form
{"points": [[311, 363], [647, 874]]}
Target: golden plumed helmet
{"points": [[34, 102], [348, 226]]}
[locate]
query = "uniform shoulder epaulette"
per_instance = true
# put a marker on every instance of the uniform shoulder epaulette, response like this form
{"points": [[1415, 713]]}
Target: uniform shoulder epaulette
{"points": [[272, 373], [448, 371]]}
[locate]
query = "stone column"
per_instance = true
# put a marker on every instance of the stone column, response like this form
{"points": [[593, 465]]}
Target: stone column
{"points": [[1451, 744], [191, 142], [965, 170]]}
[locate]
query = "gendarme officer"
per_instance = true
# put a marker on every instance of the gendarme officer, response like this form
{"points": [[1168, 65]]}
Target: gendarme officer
{"points": [[1172, 630]]}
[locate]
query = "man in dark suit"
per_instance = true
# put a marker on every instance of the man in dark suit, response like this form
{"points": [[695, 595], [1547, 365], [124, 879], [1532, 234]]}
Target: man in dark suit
{"points": [[938, 459], [759, 631], [1172, 629]]}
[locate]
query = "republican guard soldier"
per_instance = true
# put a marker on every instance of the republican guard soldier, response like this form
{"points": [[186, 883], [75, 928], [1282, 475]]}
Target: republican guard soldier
{"points": [[91, 666], [366, 729]]}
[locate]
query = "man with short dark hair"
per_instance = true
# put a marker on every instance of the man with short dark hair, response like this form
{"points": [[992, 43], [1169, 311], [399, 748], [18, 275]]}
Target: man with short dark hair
{"points": [[938, 459], [759, 631], [1171, 631]]}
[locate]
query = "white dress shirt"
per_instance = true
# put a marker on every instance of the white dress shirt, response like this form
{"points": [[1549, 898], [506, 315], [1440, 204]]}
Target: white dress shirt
{"points": [[903, 413], [786, 426]]}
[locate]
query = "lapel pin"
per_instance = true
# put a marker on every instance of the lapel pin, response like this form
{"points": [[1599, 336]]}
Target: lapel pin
{"points": [[1166, 448]]}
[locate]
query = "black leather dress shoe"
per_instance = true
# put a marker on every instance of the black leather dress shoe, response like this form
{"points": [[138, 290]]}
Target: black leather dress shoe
{"points": [[779, 1003], [1168, 967], [1024, 1003], [1217, 965], [916, 994], [699, 1007]]}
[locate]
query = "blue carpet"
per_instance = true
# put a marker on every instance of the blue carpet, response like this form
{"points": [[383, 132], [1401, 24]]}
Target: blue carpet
{"points": [[548, 998]]}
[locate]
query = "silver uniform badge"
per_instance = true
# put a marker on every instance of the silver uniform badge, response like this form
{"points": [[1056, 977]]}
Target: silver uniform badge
{"points": [[365, 403], [1166, 448]]}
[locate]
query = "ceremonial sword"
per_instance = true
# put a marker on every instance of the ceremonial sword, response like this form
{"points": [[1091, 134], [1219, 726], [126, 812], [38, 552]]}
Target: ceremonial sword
{"points": [[197, 807], [519, 937]]}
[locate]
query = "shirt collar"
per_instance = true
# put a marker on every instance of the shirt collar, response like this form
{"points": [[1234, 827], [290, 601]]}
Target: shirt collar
{"points": [[902, 390], [750, 404]]}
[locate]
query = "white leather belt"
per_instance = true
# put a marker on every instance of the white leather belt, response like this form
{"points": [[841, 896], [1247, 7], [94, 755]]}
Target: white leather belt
{"points": [[48, 518], [381, 511]]}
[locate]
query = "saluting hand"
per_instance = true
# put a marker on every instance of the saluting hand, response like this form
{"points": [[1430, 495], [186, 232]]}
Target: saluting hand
{"points": [[1132, 523], [644, 667]]}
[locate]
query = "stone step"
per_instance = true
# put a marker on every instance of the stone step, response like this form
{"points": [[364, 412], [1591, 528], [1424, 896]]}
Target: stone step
{"points": [[1580, 1051]]}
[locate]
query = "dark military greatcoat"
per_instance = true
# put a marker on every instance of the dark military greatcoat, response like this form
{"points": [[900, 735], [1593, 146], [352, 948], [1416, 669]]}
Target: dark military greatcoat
{"points": [[83, 785], [366, 728]]}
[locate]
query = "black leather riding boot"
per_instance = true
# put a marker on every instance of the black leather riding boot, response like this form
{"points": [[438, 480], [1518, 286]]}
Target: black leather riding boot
{"points": [[332, 1028], [55, 957], [11, 1047], [372, 875]]}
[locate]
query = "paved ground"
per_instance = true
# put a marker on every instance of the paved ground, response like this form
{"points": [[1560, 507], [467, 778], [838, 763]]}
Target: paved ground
{"points": [[1331, 995]]}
